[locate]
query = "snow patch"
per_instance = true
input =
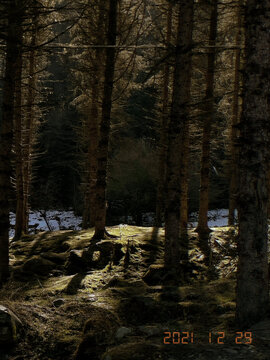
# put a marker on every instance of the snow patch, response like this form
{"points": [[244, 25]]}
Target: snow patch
{"points": [[66, 220], [56, 220], [216, 218]]}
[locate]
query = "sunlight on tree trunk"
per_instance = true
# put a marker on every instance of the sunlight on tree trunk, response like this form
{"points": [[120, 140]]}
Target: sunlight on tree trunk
{"points": [[178, 119]]}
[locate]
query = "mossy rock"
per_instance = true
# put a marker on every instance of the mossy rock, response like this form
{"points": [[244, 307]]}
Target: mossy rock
{"points": [[58, 259], [10, 325], [155, 275], [106, 251], [126, 287], [75, 263], [38, 266], [97, 256], [99, 332], [74, 284]]}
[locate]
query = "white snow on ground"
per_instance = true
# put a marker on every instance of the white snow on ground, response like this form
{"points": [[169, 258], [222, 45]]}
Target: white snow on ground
{"points": [[217, 217], [57, 220], [66, 220]]}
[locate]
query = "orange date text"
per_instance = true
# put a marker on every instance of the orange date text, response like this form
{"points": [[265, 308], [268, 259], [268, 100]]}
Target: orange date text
{"points": [[189, 337]]}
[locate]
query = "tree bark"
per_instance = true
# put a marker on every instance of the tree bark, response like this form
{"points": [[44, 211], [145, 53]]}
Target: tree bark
{"points": [[93, 131], [252, 295], [178, 119], [18, 147], [6, 132], [268, 189], [29, 125], [163, 128], [235, 120], [202, 227], [184, 193], [100, 205]]}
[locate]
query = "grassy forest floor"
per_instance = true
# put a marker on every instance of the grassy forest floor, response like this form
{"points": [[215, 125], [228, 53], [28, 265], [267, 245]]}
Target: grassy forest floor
{"points": [[121, 304]]}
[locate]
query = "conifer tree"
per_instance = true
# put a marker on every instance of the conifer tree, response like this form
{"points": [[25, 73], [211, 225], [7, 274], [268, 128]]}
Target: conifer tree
{"points": [[208, 116], [235, 118], [30, 122], [18, 142], [92, 121], [26, 112], [103, 145], [163, 145], [178, 119], [14, 13]]}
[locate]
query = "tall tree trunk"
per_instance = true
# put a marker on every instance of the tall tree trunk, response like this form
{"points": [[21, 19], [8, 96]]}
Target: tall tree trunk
{"points": [[252, 295], [6, 132], [202, 227], [268, 189], [235, 120], [28, 141], [93, 135], [18, 147], [29, 125], [85, 165], [100, 205], [93, 130], [178, 120], [163, 128], [184, 193]]}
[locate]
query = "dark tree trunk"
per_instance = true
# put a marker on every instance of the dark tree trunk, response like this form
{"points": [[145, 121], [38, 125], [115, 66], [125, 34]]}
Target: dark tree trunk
{"points": [[268, 189], [93, 134], [18, 147], [93, 129], [252, 294], [100, 205], [6, 132], [163, 129], [29, 125], [178, 120], [184, 193], [202, 227], [235, 120]]}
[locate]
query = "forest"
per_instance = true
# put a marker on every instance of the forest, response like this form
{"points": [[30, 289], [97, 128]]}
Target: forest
{"points": [[134, 179]]}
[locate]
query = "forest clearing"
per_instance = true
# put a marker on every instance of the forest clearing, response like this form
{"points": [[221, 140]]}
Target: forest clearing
{"points": [[134, 179]]}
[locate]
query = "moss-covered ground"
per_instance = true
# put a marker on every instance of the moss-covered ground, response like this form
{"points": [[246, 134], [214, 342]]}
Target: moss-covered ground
{"points": [[124, 309]]}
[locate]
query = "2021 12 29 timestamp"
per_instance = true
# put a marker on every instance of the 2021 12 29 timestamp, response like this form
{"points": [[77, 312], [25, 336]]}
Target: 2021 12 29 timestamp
{"points": [[189, 337]]}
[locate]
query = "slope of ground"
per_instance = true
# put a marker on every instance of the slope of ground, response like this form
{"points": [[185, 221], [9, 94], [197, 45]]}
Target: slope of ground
{"points": [[113, 301]]}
